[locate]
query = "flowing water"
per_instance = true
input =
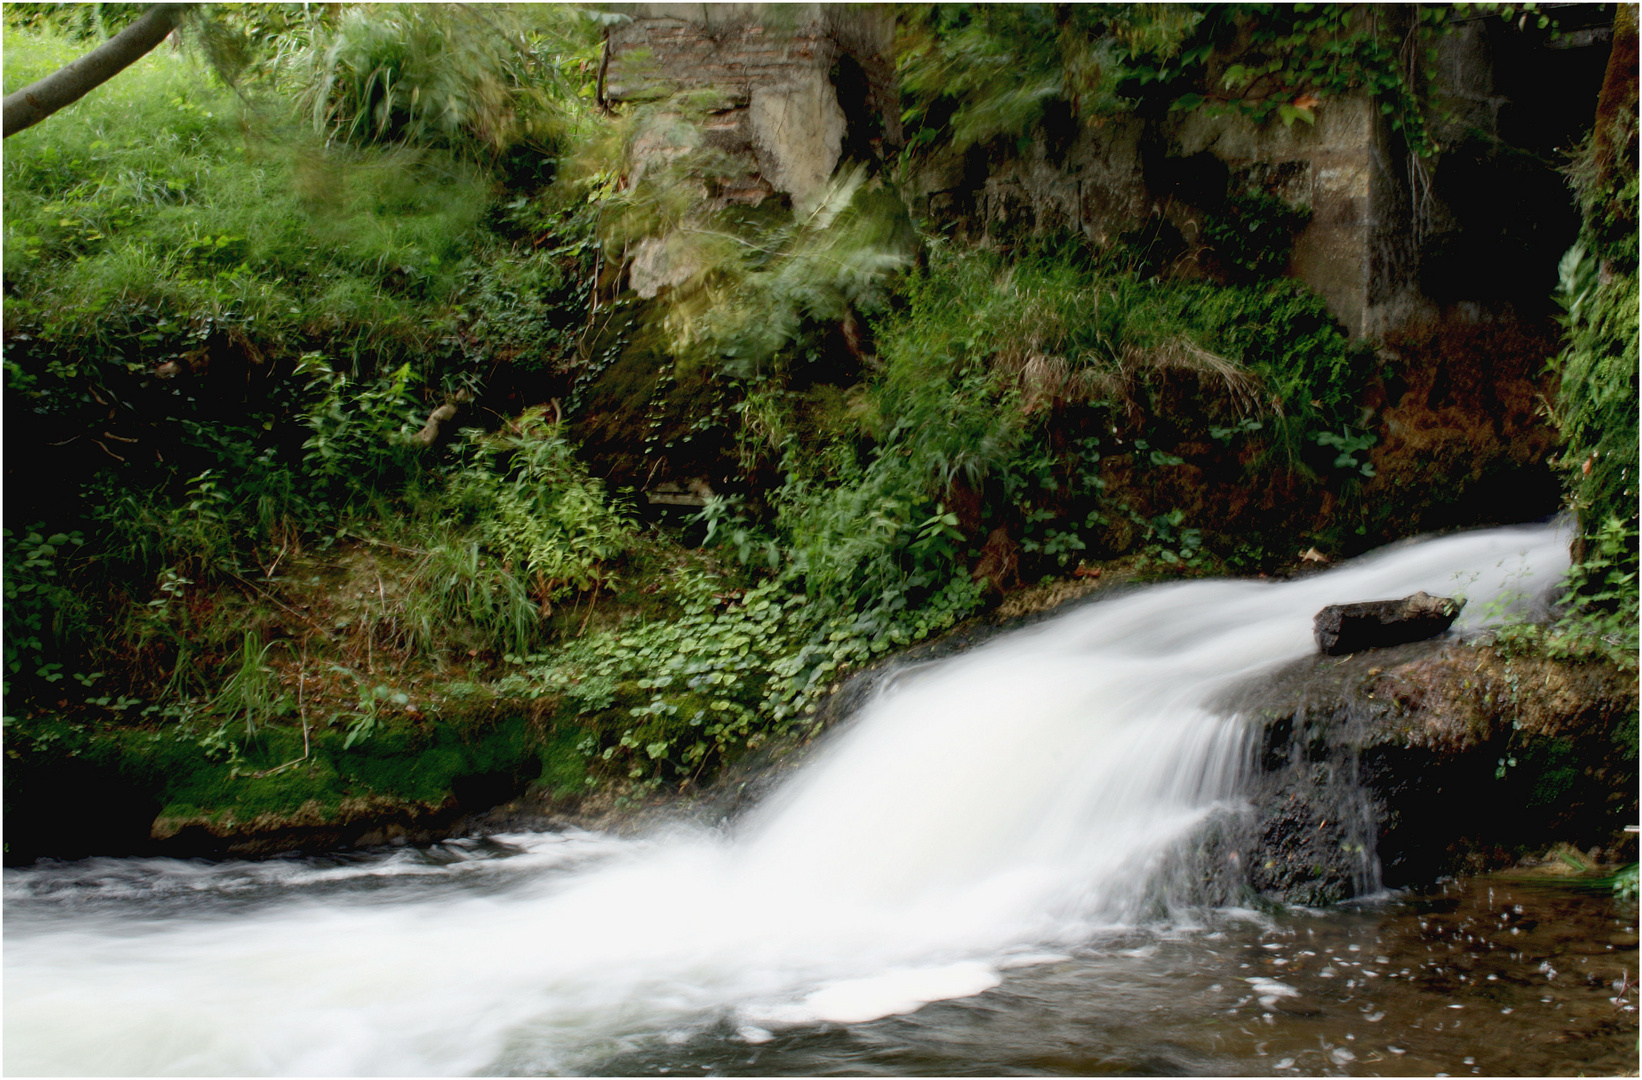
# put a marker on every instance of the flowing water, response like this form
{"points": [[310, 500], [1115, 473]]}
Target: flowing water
{"points": [[995, 834]]}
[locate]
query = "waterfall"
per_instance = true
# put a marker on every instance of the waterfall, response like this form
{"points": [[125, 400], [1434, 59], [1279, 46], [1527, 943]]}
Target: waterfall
{"points": [[975, 817]]}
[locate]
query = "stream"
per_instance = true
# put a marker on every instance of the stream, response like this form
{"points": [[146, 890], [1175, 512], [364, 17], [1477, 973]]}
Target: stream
{"points": [[985, 871]]}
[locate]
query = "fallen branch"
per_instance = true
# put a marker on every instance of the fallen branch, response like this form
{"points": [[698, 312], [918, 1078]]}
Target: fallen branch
{"points": [[270, 596], [395, 548], [24, 108], [430, 430]]}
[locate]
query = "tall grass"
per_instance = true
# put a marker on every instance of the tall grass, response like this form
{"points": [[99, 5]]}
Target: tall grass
{"points": [[162, 188]]}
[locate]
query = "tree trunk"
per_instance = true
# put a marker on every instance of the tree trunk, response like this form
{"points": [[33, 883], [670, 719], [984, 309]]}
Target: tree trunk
{"points": [[34, 103]]}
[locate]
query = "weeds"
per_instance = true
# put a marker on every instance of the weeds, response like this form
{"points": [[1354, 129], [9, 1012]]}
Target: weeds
{"points": [[460, 598], [539, 511], [251, 692]]}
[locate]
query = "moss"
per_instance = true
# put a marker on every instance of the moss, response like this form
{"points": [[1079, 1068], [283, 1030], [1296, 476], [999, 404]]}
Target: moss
{"points": [[642, 411], [425, 762], [564, 765], [1555, 767], [406, 767]]}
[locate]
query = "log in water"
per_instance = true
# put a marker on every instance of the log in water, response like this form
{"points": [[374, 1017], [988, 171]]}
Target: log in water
{"points": [[981, 818]]}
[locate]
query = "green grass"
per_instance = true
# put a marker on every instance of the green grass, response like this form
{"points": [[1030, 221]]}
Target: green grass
{"points": [[162, 188]]}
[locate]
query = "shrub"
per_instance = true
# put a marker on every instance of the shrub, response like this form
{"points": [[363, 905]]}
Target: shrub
{"points": [[540, 512]]}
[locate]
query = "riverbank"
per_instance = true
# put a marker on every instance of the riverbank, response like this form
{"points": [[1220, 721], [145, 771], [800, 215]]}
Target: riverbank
{"points": [[1397, 766]]}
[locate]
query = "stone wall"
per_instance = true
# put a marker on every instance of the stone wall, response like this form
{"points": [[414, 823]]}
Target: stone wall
{"points": [[796, 88]]}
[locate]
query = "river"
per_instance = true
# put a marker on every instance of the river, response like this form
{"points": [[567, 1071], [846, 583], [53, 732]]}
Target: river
{"points": [[976, 874]]}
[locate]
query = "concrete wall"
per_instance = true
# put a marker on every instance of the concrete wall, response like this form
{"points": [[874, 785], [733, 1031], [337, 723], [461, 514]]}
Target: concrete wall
{"points": [[1328, 166]]}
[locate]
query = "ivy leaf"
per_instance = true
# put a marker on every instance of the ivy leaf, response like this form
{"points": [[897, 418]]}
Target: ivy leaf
{"points": [[1291, 113]]}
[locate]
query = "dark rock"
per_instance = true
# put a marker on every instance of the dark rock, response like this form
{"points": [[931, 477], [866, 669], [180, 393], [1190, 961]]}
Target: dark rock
{"points": [[1378, 624], [1397, 767]]}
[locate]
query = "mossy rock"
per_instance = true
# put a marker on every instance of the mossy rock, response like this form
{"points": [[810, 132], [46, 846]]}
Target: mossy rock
{"points": [[75, 791]]}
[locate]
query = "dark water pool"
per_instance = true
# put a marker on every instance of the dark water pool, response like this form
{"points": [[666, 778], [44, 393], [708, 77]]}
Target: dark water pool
{"points": [[1493, 976]]}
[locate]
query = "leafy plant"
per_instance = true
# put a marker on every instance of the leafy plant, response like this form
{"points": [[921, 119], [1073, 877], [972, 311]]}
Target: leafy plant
{"points": [[1597, 614], [540, 512], [978, 74], [1349, 445], [359, 436], [739, 282], [41, 611], [1253, 235], [1597, 406], [371, 695], [975, 73], [448, 75], [1625, 884], [458, 597]]}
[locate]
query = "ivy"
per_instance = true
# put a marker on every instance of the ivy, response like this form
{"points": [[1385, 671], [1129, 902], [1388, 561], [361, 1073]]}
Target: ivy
{"points": [[972, 74]]}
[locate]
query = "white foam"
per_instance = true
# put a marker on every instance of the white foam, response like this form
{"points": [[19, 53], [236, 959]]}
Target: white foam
{"points": [[1272, 987], [855, 1001]]}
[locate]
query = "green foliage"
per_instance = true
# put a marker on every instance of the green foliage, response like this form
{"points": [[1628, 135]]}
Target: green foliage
{"points": [[1597, 614], [541, 512], [740, 283], [1625, 884], [1597, 406], [1171, 542], [359, 229], [1015, 380], [240, 320], [1253, 235], [366, 718], [461, 598], [146, 531], [526, 306], [360, 436], [1601, 615], [1349, 446], [146, 201], [864, 553], [41, 612], [456, 77], [251, 692], [669, 697], [80, 22], [995, 345], [973, 73]]}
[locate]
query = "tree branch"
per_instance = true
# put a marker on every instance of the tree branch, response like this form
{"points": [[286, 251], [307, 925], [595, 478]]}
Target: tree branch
{"points": [[33, 103]]}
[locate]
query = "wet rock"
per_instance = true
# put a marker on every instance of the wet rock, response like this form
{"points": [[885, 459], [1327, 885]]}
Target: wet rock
{"points": [[1425, 759], [1378, 624]]}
